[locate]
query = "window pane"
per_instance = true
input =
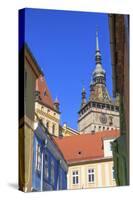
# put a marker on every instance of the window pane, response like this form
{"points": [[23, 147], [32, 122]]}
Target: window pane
{"points": [[77, 180], [73, 180], [92, 177]]}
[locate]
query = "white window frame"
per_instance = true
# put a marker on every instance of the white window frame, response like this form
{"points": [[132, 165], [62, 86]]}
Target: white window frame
{"points": [[38, 157], [75, 177], [91, 175]]}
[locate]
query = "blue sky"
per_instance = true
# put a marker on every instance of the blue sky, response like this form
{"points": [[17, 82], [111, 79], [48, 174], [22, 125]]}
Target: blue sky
{"points": [[63, 43]]}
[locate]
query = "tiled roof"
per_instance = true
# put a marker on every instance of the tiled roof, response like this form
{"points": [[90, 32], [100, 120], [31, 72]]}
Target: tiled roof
{"points": [[45, 95], [85, 146]]}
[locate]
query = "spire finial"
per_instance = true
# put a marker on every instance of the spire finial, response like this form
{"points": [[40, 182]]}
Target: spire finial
{"points": [[97, 42]]}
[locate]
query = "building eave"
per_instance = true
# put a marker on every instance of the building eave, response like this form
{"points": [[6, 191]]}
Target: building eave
{"points": [[28, 54], [88, 161]]}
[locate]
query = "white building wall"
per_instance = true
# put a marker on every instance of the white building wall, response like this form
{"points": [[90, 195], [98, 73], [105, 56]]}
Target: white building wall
{"points": [[107, 147]]}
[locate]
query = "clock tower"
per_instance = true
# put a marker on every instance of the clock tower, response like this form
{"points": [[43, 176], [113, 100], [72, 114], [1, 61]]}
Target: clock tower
{"points": [[100, 112]]}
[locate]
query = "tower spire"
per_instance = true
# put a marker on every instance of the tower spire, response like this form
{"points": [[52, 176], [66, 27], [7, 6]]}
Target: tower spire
{"points": [[97, 42], [98, 54], [99, 72]]}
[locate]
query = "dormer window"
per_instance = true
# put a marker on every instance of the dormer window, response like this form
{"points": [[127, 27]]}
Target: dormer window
{"points": [[44, 93], [108, 147]]}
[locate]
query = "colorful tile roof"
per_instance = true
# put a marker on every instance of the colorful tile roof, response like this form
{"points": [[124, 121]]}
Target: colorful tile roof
{"points": [[45, 96], [85, 146]]}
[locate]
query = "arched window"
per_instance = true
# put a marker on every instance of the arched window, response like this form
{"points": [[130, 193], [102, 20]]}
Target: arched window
{"points": [[53, 129], [47, 125]]}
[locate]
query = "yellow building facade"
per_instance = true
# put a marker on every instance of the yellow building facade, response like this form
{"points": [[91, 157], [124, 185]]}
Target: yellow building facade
{"points": [[49, 117], [29, 71], [99, 173], [45, 108], [89, 158]]}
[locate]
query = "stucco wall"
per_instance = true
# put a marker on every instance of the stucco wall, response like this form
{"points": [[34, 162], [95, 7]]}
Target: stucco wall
{"points": [[103, 175], [91, 121]]}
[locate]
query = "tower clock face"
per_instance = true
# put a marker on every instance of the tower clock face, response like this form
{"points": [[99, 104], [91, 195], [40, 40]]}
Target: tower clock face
{"points": [[103, 119]]}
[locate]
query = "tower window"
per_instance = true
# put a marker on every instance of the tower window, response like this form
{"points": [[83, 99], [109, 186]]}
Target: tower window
{"points": [[112, 108], [98, 105], [108, 107], [93, 104], [117, 108], [103, 106]]}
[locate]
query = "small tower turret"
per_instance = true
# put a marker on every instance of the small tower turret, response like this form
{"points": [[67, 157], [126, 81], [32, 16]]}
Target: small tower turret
{"points": [[83, 103], [56, 104]]}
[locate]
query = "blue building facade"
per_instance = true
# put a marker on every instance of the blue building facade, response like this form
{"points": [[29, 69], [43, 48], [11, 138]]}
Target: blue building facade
{"points": [[49, 168]]}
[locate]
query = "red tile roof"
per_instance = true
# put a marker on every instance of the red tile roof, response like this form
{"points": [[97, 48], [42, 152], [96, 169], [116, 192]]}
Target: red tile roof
{"points": [[84, 147], [45, 95]]}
